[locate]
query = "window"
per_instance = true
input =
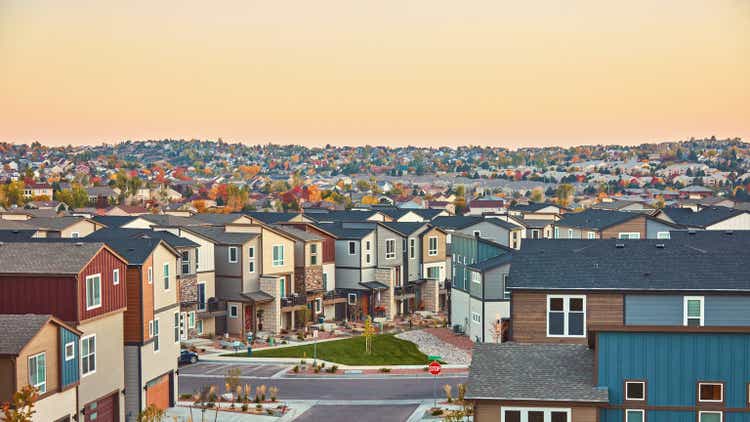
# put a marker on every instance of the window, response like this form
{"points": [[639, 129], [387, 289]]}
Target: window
{"points": [[476, 233], [93, 291], [232, 255], [233, 311], [635, 415], [390, 248], [325, 281], [352, 247], [506, 292], [75, 235], [116, 276], [693, 311], [570, 233], [710, 392], [176, 327], [367, 248], [557, 232], [663, 235], [710, 416], [476, 277], [251, 258], [166, 276], [278, 256], [433, 273], [88, 355], [432, 246], [38, 372], [318, 305], [635, 390], [201, 296], [412, 248], [351, 299], [629, 235], [156, 335], [199, 326], [476, 318], [534, 414], [150, 275], [70, 351], [566, 316], [592, 235], [185, 261], [197, 261], [151, 328], [313, 254], [191, 319]]}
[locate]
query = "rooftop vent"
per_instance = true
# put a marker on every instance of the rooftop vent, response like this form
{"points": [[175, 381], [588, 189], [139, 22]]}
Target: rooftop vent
{"points": [[79, 243], [660, 246], [691, 232], [729, 232], [619, 245]]}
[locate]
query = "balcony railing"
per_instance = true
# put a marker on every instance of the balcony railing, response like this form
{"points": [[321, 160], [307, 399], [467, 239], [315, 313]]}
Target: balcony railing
{"points": [[404, 290], [293, 301]]}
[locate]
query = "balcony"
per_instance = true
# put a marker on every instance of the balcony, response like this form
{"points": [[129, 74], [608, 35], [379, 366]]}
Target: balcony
{"points": [[293, 302], [407, 291]]}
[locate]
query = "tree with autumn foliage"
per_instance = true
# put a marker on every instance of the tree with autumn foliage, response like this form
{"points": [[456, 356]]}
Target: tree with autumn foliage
{"points": [[236, 198], [21, 406]]}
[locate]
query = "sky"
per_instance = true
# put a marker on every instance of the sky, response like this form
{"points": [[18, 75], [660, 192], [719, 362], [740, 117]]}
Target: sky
{"points": [[386, 72]]}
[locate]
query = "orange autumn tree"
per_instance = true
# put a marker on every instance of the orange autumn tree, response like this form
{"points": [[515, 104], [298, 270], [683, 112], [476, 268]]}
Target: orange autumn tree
{"points": [[21, 406]]}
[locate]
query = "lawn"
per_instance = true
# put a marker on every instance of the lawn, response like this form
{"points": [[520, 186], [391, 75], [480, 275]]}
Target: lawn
{"points": [[386, 350]]}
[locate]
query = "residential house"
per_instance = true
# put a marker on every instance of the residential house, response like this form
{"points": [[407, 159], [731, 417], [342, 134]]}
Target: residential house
{"points": [[63, 226], [604, 224], [36, 190], [495, 229], [711, 218], [42, 351], [483, 206], [83, 286]]}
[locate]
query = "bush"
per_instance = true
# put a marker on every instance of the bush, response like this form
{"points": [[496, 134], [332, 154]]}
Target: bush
{"points": [[295, 369], [186, 396], [386, 370], [269, 411], [244, 407], [316, 369], [436, 412], [258, 406]]}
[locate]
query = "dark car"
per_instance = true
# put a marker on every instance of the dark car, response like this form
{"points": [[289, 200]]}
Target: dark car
{"points": [[186, 356]]}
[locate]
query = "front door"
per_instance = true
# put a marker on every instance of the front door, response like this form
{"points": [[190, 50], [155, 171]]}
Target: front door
{"points": [[248, 319]]}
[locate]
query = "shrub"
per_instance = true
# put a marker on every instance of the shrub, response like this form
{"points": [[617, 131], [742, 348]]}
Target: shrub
{"points": [[258, 406], [244, 407], [185, 396], [269, 411], [295, 369], [436, 412], [316, 369], [386, 370]]}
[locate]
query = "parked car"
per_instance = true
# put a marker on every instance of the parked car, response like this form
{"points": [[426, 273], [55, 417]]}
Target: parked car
{"points": [[186, 356]]}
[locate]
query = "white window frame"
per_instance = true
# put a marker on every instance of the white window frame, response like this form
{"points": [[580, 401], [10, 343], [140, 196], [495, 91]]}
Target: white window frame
{"points": [[711, 401], [570, 233], [314, 254], [352, 247], [201, 306], [392, 253], [150, 275], [184, 262], [641, 411], [628, 236], [165, 274], [643, 383], [251, 259], [430, 251], [75, 235], [93, 305], [277, 262], [116, 276], [176, 327], [566, 312], [151, 328], [476, 318], [157, 336], [475, 276], [318, 305], [236, 309], [199, 326], [663, 235], [191, 319], [412, 248], [592, 235], [557, 232], [72, 355], [349, 298], [476, 233], [711, 412], [236, 255], [685, 301], [89, 355], [42, 386], [524, 412]]}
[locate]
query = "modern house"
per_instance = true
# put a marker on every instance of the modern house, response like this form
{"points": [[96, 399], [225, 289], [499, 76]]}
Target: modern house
{"points": [[710, 218], [42, 351], [85, 287], [492, 228], [604, 224]]}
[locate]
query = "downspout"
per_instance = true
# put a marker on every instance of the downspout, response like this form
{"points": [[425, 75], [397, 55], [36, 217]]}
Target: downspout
{"points": [[484, 322]]}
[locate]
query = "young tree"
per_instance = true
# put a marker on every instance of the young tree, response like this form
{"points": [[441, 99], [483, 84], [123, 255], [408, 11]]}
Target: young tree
{"points": [[368, 334], [21, 406]]}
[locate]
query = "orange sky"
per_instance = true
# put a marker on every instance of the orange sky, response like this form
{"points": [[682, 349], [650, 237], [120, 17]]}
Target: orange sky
{"points": [[424, 72]]}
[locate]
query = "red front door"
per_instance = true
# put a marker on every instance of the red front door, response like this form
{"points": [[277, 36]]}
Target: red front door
{"points": [[248, 319]]}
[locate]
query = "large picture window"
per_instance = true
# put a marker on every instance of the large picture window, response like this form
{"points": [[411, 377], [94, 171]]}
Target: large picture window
{"points": [[566, 316], [93, 291], [38, 372], [534, 414]]}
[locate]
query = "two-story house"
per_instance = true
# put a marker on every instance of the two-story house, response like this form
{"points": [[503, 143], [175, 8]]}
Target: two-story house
{"points": [[492, 228], [41, 351], [604, 224], [84, 285]]}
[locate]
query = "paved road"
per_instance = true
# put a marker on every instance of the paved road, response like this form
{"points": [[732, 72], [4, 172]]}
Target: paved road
{"points": [[193, 377], [357, 413]]}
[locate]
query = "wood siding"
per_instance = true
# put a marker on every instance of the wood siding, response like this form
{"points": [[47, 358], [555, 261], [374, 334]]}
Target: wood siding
{"points": [[113, 296], [529, 315], [55, 295], [489, 410], [635, 225], [329, 242]]}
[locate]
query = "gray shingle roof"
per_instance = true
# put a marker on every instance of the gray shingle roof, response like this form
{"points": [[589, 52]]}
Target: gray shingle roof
{"points": [[218, 235], [53, 223], [404, 228], [456, 222], [703, 218], [595, 219], [46, 257], [272, 217], [18, 329], [344, 233], [700, 262], [548, 372], [495, 262], [297, 233], [114, 221]]}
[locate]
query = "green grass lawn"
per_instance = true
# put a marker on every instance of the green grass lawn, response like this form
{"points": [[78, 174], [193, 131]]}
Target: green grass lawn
{"points": [[386, 350]]}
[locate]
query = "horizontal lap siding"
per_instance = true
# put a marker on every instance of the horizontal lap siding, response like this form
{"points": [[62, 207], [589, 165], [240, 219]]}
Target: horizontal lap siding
{"points": [[113, 296], [529, 315], [636, 225], [55, 295]]}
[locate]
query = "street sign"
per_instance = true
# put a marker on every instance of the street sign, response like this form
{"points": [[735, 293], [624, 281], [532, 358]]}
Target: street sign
{"points": [[434, 368], [433, 358]]}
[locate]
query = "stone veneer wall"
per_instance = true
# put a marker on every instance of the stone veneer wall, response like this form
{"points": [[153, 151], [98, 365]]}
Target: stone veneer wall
{"points": [[430, 295], [308, 278], [271, 310], [188, 292], [387, 300]]}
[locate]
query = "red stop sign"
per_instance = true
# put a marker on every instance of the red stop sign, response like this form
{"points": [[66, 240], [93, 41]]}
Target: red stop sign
{"points": [[434, 368]]}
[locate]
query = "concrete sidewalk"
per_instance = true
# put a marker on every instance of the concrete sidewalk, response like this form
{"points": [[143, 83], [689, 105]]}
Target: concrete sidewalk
{"points": [[294, 361]]}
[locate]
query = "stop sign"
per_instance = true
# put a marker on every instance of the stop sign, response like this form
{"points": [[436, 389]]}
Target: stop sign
{"points": [[434, 368]]}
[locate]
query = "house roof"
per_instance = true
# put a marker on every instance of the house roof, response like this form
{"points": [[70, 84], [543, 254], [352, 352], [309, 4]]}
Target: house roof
{"points": [[17, 235], [135, 250], [114, 220], [14, 225], [297, 233], [171, 239], [18, 330], [426, 213], [532, 206], [352, 216], [536, 223], [714, 262], [345, 233], [54, 223], [37, 257], [544, 372], [273, 217], [220, 219], [595, 219], [703, 218], [494, 262], [458, 222], [404, 229], [170, 220], [219, 235]]}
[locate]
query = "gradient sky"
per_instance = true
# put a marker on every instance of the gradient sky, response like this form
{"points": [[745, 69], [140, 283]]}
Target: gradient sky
{"points": [[423, 72]]}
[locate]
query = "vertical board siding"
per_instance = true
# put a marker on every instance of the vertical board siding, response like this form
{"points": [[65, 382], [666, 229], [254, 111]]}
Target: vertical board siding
{"points": [[69, 369], [672, 363], [55, 295], [636, 225], [113, 296], [132, 318]]}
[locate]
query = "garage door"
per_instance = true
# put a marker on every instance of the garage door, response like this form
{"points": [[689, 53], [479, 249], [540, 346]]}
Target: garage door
{"points": [[102, 410], [157, 392]]}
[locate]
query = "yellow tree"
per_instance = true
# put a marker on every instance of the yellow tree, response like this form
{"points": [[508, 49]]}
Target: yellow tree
{"points": [[368, 334]]}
